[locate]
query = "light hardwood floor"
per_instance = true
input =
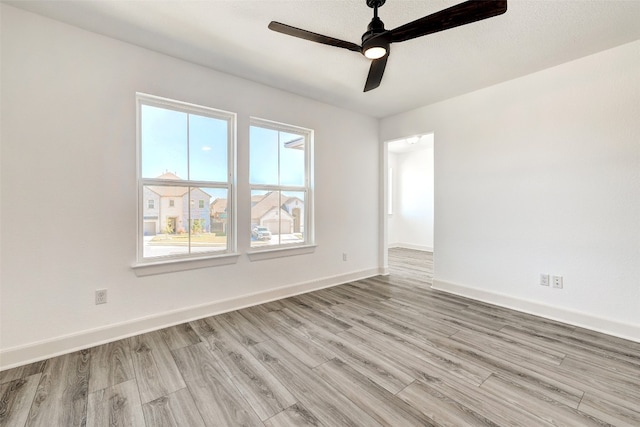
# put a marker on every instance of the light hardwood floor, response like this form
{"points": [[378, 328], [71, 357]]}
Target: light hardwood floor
{"points": [[383, 351]]}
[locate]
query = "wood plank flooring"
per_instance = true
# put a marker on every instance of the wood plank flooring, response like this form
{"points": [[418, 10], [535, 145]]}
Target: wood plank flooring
{"points": [[385, 351]]}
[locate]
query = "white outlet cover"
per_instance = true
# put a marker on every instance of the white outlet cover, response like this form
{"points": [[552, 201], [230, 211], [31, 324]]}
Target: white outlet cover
{"points": [[557, 282], [544, 280], [101, 296]]}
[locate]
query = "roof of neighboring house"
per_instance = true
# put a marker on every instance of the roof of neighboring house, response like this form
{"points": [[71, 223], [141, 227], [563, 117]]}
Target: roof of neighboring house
{"points": [[169, 175], [262, 204], [219, 205], [256, 198], [297, 143], [269, 201], [291, 199], [170, 190]]}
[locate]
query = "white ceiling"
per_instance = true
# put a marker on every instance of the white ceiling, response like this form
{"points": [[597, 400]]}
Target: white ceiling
{"points": [[232, 36]]}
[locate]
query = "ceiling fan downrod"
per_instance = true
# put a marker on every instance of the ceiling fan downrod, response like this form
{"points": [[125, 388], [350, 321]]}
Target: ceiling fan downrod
{"points": [[375, 4]]}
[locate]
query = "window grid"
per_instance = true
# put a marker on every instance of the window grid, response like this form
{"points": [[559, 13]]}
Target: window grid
{"points": [[305, 223], [189, 225]]}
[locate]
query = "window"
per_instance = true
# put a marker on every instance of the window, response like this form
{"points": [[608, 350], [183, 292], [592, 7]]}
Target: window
{"points": [[184, 156], [279, 176]]}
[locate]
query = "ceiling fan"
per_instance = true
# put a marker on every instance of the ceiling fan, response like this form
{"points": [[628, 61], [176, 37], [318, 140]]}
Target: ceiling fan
{"points": [[376, 40]]}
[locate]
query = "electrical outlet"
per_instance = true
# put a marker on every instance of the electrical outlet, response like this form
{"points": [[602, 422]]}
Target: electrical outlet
{"points": [[556, 281], [101, 296], [544, 280], [344, 256]]}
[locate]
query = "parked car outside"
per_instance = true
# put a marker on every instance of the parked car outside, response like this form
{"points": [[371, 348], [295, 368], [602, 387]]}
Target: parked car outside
{"points": [[261, 233]]}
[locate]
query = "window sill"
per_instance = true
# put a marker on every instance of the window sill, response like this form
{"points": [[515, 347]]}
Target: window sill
{"points": [[175, 265], [259, 255]]}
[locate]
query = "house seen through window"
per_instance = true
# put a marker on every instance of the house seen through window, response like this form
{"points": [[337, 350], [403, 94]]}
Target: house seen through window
{"points": [[184, 173], [279, 176]]}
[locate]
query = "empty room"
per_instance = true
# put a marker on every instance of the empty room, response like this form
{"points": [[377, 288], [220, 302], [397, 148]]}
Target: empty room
{"points": [[319, 213]]}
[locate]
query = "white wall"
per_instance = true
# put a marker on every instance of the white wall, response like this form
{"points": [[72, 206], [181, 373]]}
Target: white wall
{"points": [[411, 225], [392, 197], [69, 194], [542, 174]]}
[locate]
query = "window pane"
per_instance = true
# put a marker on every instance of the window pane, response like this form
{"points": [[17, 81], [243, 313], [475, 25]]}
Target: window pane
{"points": [[277, 218], [219, 213], [164, 227], [292, 149], [292, 219], [279, 184], [164, 143], [192, 148], [208, 219], [186, 220], [265, 218], [263, 161], [207, 149]]}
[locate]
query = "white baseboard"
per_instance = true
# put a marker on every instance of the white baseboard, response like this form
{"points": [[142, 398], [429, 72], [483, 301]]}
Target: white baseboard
{"points": [[575, 318], [411, 246], [22, 355]]}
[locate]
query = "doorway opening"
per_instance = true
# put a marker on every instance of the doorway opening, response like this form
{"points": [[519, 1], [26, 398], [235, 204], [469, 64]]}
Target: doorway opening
{"points": [[409, 196]]}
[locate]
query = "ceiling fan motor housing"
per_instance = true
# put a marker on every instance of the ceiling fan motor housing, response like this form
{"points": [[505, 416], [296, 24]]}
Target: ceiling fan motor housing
{"points": [[375, 36], [375, 27]]}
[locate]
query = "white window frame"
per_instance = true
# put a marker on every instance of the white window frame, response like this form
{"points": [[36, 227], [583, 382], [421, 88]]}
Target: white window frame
{"points": [[230, 185], [308, 243]]}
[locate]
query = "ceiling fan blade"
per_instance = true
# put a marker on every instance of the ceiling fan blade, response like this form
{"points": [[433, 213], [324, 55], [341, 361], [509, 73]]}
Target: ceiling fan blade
{"points": [[454, 16], [314, 37], [376, 71]]}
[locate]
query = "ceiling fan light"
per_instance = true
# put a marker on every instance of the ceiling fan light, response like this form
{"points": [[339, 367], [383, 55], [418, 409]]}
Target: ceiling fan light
{"points": [[375, 52]]}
